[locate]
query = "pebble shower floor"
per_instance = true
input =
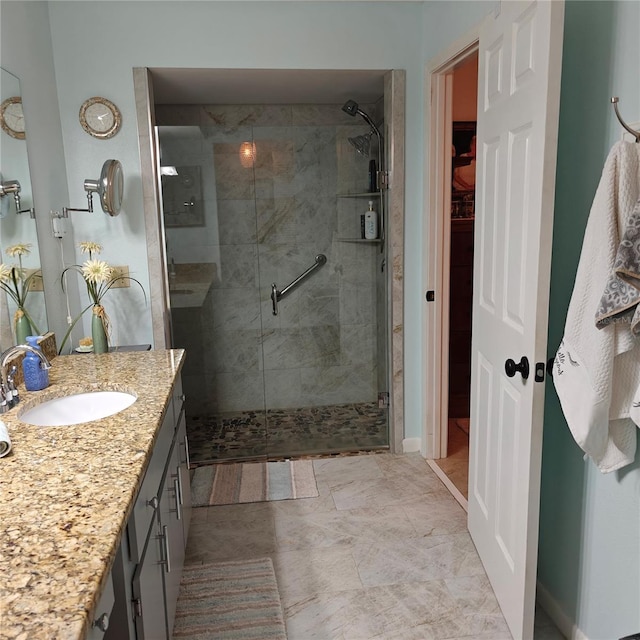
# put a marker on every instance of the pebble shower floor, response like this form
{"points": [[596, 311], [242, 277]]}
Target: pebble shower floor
{"points": [[287, 432]]}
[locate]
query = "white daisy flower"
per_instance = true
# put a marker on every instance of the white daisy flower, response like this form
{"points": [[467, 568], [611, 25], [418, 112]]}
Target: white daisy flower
{"points": [[18, 250], [96, 271]]}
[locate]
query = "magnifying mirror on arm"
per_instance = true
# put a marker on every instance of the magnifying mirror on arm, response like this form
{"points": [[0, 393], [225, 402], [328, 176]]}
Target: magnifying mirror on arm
{"points": [[109, 187]]}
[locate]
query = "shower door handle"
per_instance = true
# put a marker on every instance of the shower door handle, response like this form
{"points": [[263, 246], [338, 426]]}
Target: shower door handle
{"points": [[277, 295]]}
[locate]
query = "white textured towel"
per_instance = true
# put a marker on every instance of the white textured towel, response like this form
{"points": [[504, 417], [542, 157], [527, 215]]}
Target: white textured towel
{"points": [[597, 371]]}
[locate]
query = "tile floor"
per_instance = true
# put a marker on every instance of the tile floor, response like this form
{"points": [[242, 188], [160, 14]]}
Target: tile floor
{"points": [[382, 553], [456, 464]]}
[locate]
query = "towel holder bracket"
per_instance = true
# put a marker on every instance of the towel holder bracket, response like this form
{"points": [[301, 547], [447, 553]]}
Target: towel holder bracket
{"points": [[633, 132]]}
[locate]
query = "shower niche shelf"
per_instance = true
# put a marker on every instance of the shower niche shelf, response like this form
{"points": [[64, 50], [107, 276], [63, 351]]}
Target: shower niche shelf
{"points": [[360, 240], [363, 194]]}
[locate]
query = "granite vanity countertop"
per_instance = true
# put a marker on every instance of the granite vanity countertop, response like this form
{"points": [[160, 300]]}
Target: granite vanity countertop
{"points": [[66, 492]]}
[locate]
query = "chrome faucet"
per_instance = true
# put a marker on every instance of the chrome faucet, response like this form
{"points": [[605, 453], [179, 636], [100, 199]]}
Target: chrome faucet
{"points": [[8, 396]]}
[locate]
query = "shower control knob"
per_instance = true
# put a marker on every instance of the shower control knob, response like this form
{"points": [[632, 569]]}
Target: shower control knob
{"points": [[511, 368]]}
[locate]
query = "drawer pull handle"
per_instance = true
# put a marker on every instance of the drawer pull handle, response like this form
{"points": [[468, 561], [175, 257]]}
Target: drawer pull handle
{"points": [[179, 477], [176, 487], [165, 542], [185, 444]]}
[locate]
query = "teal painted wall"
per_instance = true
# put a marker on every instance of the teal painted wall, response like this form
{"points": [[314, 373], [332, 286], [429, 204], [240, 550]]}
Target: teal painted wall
{"points": [[589, 554]]}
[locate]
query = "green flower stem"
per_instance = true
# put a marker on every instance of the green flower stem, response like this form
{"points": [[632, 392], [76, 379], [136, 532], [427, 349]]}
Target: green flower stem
{"points": [[71, 326]]}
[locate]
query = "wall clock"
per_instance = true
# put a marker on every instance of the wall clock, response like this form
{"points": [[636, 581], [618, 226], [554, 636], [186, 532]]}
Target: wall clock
{"points": [[12, 118], [100, 118]]}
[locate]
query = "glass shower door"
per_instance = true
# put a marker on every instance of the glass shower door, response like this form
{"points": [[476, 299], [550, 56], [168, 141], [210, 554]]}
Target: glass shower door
{"points": [[321, 353], [210, 227]]}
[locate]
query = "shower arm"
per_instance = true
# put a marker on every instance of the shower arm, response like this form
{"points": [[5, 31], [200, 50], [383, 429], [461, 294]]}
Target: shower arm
{"points": [[370, 122], [276, 295]]}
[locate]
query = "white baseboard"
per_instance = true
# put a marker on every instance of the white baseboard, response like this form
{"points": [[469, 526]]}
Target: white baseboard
{"points": [[409, 445], [565, 624]]}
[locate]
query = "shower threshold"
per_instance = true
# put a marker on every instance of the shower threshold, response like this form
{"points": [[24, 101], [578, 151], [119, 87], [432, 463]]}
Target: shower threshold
{"points": [[287, 433]]}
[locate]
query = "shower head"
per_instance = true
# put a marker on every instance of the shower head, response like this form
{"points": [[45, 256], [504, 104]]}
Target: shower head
{"points": [[362, 143], [351, 107]]}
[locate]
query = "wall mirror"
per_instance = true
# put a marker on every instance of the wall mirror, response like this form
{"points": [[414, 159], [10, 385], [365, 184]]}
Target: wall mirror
{"points": [[18, 229]]}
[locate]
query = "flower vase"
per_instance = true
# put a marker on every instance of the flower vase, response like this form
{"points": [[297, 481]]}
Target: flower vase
{"points": [[98, 333], [22, 327]]}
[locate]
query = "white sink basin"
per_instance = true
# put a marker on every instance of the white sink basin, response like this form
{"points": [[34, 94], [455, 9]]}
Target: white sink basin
{"points": [[77, 408]]}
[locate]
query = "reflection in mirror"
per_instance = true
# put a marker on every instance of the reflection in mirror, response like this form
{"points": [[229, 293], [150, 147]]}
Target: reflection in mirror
{"points": [[19, 254], [12, 188]]}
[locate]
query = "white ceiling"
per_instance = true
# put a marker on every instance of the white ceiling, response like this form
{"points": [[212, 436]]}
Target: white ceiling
{"points": [[266, 86]]}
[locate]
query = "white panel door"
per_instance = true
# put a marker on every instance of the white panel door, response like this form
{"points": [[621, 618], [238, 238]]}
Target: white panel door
{"points": [[518, 102]]}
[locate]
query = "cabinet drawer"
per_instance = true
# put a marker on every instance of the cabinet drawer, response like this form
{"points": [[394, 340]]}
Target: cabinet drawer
{"points": [[100, 622], [144, 509]]}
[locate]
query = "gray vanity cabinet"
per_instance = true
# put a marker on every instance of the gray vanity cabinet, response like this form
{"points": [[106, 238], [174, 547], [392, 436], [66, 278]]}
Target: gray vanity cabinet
{"points": [[148, 568], [148, 596], [172, 534]]}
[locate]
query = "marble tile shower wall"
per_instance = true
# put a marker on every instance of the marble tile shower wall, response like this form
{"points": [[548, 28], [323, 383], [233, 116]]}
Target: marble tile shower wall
{"points": [[270, 220]]}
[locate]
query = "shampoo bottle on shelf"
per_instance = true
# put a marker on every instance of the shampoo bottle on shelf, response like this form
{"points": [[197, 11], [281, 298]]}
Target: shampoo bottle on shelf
{"points": [[371, 223], [35, 377]]}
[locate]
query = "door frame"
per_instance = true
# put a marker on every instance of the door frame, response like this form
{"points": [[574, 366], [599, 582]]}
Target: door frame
{"points": [[437, 217]]}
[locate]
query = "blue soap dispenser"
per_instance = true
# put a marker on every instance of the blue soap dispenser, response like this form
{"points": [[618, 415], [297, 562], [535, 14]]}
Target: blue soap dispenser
{"points": [[35, 377]]}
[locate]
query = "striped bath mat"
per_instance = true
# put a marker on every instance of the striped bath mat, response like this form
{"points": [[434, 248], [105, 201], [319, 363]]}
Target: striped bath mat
{"points": [[253, 482], [231, 600]]}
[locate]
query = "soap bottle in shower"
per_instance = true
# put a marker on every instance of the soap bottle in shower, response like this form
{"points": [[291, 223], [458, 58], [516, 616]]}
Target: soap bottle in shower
{"points": [[371, 223]]}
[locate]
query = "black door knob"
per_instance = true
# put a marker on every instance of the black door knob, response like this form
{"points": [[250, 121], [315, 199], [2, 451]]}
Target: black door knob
{"points": [[511, 368]]}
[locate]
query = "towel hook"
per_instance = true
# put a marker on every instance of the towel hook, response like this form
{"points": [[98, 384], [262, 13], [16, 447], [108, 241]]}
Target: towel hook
{"points": [[635, 134]]}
